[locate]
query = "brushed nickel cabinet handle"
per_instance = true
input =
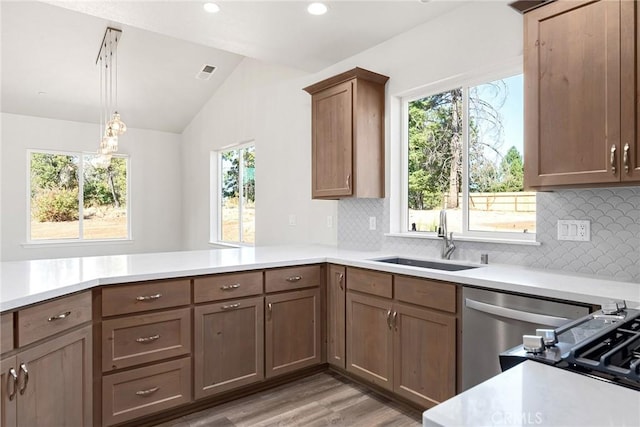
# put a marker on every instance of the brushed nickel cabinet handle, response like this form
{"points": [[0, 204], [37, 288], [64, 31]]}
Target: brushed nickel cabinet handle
{"points": [[230, 287], [389, 318], [148, 297], [269, 311], [230, 306], [294, 278], [349, 181], [395, 320], [59, 316], [144, 340], [625, 158], [147, 392], [23, 369], [12, 383], [613, 159], [341, 280]]}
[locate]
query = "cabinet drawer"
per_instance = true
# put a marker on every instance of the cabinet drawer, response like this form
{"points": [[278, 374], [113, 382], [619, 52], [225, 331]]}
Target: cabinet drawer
{"points": [[284, 279], [144, 391], [46, 319], [6, 332], [145, 338], [124, 299], [428, 293], [370, 282], [226, 286]]}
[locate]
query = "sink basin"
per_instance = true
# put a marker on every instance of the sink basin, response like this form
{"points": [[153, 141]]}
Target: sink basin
{"points": [[427, 264]]}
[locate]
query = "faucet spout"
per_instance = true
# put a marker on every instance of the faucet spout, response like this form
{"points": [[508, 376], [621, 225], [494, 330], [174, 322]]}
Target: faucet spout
{"points": [[448, 246]]}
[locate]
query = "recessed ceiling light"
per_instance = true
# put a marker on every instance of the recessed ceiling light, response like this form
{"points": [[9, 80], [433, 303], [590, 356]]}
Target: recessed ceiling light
{"points": [[317, 9], [211, 7]]}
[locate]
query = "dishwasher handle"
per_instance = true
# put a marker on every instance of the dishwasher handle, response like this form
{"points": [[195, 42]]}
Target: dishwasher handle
{"points": [[509, 313]]}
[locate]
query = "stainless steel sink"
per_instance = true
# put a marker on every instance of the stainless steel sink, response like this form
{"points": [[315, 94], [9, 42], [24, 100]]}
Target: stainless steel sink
{"points": [[426, 264]]}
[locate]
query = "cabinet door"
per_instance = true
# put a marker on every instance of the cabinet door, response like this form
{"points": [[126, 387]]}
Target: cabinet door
{"points": [[332, 143], [370, 339], [8, 392], [229, 345], [424, 346], [630, 64], [292, 331], [572, 93], [336, 300], [58, 391]]}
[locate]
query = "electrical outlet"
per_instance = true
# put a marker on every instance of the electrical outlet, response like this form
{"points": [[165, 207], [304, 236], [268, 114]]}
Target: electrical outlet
{"points": [[292, 219], [329, 221], [372, 223], [574, 230]]}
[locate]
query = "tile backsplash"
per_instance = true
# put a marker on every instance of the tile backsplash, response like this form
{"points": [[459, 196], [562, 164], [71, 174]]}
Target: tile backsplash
{"points": [[613, 252]]}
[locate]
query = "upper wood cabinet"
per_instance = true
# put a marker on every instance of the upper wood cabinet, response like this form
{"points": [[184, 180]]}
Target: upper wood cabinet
{"points": [[581, 115], [347, 128]]}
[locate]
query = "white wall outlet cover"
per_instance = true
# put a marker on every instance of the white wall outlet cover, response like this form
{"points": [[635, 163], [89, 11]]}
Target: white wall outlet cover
{"points": [[372, 223], [329, 221], [574, 230], [292, 219]]}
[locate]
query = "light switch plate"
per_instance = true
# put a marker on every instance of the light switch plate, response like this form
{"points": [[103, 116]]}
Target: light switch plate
{"points": [[574, 230], [372, 223]]}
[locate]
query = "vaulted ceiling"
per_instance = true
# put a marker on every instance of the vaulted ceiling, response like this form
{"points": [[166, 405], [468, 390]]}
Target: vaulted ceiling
{"points": [[49, 49]]}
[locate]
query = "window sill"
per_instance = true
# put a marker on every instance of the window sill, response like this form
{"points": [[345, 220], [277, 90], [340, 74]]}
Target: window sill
{"points": [[229, 245], [69, 243], [458, 238]]}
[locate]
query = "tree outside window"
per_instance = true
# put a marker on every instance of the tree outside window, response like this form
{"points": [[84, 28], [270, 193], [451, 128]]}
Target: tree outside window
{"points": [[482, 124], [237, 195], [72, 196]]}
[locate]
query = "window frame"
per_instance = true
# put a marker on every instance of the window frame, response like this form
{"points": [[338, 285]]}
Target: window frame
{"points": [[216, 199], [80, 239], [465, 82]]}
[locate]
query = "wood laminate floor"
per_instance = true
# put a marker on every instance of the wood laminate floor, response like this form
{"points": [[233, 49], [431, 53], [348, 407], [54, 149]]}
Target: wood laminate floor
{"points": [[324, 399]]}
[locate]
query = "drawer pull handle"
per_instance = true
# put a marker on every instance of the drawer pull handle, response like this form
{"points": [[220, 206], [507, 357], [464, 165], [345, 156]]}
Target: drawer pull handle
{"points": [[59, 316], [269, 311], [23, 369], [12, 383], [147, 392], [389, 319], [148, 297], [230, 287], [294, 278], [341, 281], [144, 340], [395, 320], [231, 306]]}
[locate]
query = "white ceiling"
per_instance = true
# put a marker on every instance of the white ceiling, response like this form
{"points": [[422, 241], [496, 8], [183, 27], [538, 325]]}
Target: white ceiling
{"points": [[51, 47]]}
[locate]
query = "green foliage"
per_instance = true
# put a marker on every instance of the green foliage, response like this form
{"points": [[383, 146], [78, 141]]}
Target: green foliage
{"points": [[50, 171], [231, 172], [56, 205], [512, 171], [105, 185]]}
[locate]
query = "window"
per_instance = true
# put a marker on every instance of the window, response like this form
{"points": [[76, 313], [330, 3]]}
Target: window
{"points": [[465, 155], [72, 196], [237, 191]]}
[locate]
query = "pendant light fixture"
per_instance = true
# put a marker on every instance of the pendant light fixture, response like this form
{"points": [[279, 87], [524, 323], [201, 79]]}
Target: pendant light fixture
{"points": [[111, 125]]}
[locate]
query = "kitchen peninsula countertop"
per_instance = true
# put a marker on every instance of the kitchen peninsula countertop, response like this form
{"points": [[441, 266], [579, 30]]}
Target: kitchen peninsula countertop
{"points": [[532, 393], [28, 282]]}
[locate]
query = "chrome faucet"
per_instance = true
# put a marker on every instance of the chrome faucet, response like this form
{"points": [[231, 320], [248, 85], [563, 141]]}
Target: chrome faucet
{"points": [[447, 242]]}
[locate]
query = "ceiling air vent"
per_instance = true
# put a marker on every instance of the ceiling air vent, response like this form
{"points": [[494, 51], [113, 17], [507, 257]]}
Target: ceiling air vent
{"points": [[206, 72]]}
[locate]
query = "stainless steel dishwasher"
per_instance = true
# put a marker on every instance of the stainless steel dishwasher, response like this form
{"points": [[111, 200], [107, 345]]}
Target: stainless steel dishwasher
{"points": [[493, 322]]}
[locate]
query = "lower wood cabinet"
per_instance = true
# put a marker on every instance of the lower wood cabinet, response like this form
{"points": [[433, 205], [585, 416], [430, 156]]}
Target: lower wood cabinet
{"points": [[143, 391], [370, 339], [228, 345], [292, 331], [53, 383], [336, 299], [405, 349]]}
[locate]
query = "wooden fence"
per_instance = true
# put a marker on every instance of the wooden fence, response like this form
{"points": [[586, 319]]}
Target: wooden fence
{"points": [[502, 202]]}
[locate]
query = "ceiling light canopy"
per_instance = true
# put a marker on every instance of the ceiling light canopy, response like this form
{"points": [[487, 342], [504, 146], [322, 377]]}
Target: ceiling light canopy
{"points": [[111, 126], [317, 9], [211, 7]]}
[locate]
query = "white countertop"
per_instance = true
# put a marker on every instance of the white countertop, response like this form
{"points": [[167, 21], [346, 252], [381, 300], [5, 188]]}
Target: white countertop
{"points": [[532, 393], [28, 282]]}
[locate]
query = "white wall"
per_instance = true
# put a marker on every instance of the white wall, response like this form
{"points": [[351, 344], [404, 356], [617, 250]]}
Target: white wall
{"points": [[264, 103], [154, 185]]}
